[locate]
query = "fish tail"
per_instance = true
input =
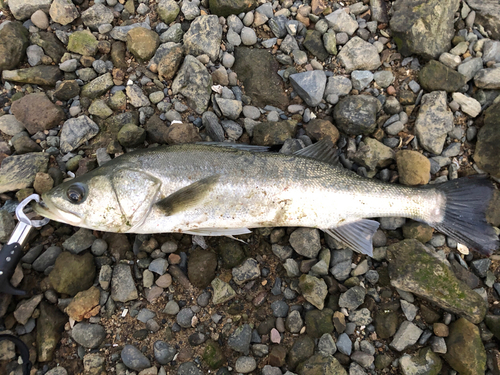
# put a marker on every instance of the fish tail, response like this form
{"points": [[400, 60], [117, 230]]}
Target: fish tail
{"points": [[464, 218]]}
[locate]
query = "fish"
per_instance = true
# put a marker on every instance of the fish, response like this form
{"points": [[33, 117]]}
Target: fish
{"points": [[226, 191]]}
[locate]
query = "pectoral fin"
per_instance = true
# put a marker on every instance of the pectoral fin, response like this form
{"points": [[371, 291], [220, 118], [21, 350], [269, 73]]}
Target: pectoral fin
{"points": [[188, 197], [357, 235]]}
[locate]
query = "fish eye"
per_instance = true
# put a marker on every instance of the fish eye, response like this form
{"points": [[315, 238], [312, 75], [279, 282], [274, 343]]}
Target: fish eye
{"points": [[76, 193]]}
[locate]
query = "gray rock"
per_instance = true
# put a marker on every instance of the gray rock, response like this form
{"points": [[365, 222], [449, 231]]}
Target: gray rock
{"points": [[245, 365], [470, 67], [77, 131], [249, 270], [310, 86], [81, 240], [171, 308], [338, 85], [35, 54], [306, 242], [97, 15], [194, 82], [481, 266], [159, 266], [189, 368], [361, 317], [122, 284], [204, 37], [352, 298], [289, 44], [342, 270], [184, 317], [163, 352], [359, 55], [487, 15], [136, 96], [294, 322], [240, 339], [392, 223], [434, 121], [357, 114], [278, 26], [190, 10], [10, 125], [406, 336], [423, 362], [248, 36], [134, 359], [232, 129], [344, 344], [212, 126], [98, 86], [23, 9], [120, 32], [25, 309], [384, 78], [326, 344], [425, 30], [63, 12], [7, 225], [279, 308], [292, 268], [361, 79], [88, 335], [19, 171], [409, 310], [46, 259], [362, 358], [488, 78], [230, 108], [340, 21]]}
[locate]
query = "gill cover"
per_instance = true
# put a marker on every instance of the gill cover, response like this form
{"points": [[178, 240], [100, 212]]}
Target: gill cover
{"points": [[136, 191]]}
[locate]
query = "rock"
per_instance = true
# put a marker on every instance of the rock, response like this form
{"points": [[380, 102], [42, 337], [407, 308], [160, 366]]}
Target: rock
{"points": [[301, 350], [487, 147], [38, 75], [356, 114], [420, 231], [230, 108], [163, 352], [100, 109], [424, 362], [314, 44], [84, 305], [257, 70], [373, 154], [384, 78], [77, 131], [50, 44], [320, 364], [413, 168], [435, 76], [213, 355], [359, 55], [245, 365], [407, 335], [7, 225], [142, 43], [314, 290], [83, 43], [50, 325], [81, 240], [167, 59], [63, 11], [189, 368], [13, 44], [122, 284], [23, 9], [240, 339], [194, 82], [386, 323], [179, 133], [37, 113], [310, 86], [97, 86], [431, 275], [222, 291], [225, 8], [426, 29], [88, 335], [97, 15], [319, 323], [470, 67], [168, 10], [434, 121], [136, 96], [67, 90], [273, 133], [338, 85], [134, 359], [203, 37], [201, 268], [361, 79], [72, 273], [468, 105], [466, 353], [10, 125], [326, 345], [487, 15], [352, 298], [341, 22], [306, 242], [25, 309], [319, 129], [19, 171], [249, 270], [493, 323], [488, 78]]}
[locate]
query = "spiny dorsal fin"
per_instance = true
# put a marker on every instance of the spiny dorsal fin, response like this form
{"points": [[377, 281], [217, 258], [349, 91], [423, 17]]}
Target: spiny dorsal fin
{"points": [[357, 235], [321, 151], [189, 196]]}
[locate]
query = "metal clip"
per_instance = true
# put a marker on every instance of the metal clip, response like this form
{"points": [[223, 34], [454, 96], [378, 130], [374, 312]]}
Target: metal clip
{"points": [[21, 216]]}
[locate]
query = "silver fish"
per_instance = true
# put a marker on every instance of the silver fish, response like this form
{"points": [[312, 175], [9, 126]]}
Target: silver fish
{"points": [[209, 190]]}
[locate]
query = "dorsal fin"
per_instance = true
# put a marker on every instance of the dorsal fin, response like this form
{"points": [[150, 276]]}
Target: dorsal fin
{"points": [[321, 151]]}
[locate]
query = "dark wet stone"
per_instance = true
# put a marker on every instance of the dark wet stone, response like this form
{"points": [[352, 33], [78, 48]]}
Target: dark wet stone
{"points": [[320, 364], [213, 355], [436, 76], [302, 349], [50, 44], [13, 43], [123, 287], [493, 323], [357, 114], [319, 322], [131, 135], [257, 69], [466, 353], [72, 273], [314, 44], [386, 323], [488, 142], [273, 133], [231, 253], [88, 335], [163, 352], [134, 359], [50, 325], [67, 90], [201, 268], [225, 8], [277, 356], [239, 340], [432, 274], [43, 75]]}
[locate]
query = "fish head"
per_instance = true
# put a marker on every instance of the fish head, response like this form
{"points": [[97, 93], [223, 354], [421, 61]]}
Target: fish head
{"points": [[105, 199]]}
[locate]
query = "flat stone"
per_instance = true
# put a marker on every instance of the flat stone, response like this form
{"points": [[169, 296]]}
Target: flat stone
{"points": [[43, 75], [134, 359], [310, 86], [83, 43], [407, 335], [19, 171], [373, 154], [435, 76], [356, 114], [222, 291], [50, 325], [359, 55], [14, 40], [63, 11], [425, 361], [23, 9], [37, 112], [487, 146], [204, 37], [273, 133], [123, 287], [341, 22], [97, 86], [413, 167], [142, 43], [72, 273], [88, 335], [487, 15], [468, 105], [77, 131], [168, 10], [249, 270], [225, 8], [320, 364], [488, 78]]}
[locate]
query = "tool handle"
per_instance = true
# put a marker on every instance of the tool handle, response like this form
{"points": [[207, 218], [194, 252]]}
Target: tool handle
{"points": [[10, 255]]}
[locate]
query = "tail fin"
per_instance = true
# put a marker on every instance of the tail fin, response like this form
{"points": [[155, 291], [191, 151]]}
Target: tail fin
{"points": [[464, 219]]}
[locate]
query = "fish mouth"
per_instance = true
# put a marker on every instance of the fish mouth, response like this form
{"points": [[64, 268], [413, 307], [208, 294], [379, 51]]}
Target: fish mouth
{"points": [[48, 210]]}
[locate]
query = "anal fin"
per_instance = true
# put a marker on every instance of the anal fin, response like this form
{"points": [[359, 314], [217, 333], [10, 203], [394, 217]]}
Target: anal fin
{"points": [[357, 235], [188, 197]]}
